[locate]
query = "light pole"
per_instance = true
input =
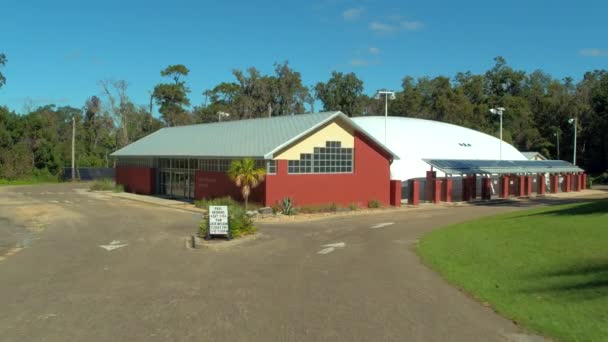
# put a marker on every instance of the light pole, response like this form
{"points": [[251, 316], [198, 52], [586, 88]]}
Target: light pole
{"points": [[498, 111], [387, 95], [556, 134], [221, 115], [573, 122], [73, 147]]}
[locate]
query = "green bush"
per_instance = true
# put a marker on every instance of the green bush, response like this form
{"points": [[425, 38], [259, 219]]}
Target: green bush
{"points": [[601, 179], [239, 222], [353, 206], [205, 203], [106, 184], [287, 206], [373, 204], [318, 208]]}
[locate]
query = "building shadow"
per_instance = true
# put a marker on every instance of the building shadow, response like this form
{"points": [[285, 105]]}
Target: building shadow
{"points": [[588, 207], [574, 282]]}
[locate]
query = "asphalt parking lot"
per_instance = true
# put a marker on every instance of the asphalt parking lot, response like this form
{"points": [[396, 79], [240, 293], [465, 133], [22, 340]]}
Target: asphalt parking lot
{"points": [[80, 266]]}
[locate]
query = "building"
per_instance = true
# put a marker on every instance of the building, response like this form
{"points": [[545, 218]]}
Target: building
{"points": [[532, 155], [415, 140], [441, 162], [311, 158]]}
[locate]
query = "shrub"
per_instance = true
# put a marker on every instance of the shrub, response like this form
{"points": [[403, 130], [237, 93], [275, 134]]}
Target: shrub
{"points": [[373, 204], [353, 206], [318, 208], [601, 179], [106, 185], [204, 203], [287, 206], [238, 221]]}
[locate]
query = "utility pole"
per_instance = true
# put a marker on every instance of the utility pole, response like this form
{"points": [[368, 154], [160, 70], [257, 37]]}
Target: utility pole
{"points": [[499, 111], [388, 95], [573, 122], [269, 109], [73, 146], [557, 136]]}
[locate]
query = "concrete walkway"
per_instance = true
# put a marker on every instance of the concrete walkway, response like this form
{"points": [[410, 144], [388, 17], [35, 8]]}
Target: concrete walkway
{"points": [[154, 200]]}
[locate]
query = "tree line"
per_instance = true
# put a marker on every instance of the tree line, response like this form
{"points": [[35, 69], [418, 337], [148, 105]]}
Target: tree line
{"points": [[538, 107]]}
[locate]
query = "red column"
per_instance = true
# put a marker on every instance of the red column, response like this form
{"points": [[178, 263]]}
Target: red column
{"points": [[528, 188], [486, 188], [466, 188], [429, 189], [447, 190], [584, 181], [436, 191], [579, 181], [554, 183], [520, 186], [473, 186], [568, 182], [504, 186], [414, 192], [395, 199], [542, 188]]}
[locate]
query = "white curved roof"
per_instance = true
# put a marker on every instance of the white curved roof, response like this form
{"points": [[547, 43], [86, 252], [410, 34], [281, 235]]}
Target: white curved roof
{"points": [[416, 139]]}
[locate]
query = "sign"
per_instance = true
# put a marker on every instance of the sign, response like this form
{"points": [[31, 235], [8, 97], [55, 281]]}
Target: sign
{"points": [[218, 220]]}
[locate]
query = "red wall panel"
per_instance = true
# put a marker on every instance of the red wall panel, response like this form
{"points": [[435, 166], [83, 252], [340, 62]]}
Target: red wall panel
{"points": [[218, 184], [139, 180], [369, 180]]}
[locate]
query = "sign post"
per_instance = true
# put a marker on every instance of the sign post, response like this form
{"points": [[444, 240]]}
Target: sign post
{"points": [[218, 221]]}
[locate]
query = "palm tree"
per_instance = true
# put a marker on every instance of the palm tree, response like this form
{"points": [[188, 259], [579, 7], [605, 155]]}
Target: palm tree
{"points": [[246, 176]]}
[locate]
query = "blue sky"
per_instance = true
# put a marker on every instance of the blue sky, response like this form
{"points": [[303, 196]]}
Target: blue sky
{"points": [[58, 50]]}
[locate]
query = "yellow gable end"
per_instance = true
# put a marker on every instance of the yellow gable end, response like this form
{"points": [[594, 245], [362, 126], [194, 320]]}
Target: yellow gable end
{"points": [[334, 131]]}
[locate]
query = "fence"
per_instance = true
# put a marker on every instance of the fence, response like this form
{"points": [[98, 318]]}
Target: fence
{"points": [[89, 173]]}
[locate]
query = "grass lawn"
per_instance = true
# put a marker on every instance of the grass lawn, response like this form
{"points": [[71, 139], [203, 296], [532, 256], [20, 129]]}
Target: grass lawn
{"points": [[546, 268], [26, 181]]}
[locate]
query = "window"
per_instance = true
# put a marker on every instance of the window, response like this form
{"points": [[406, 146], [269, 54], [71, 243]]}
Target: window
{"points": [[271, 167], [333, 158], [134, 162]]}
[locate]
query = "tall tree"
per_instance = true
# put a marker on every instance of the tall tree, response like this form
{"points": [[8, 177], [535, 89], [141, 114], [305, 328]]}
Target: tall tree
{"points": [[341, 92], [3, 61], [115, 92], [173, 97], [289, 92]]}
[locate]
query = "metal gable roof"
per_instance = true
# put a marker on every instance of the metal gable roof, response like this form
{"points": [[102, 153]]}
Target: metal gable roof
{"points": [[463, 166], [257, 138]]}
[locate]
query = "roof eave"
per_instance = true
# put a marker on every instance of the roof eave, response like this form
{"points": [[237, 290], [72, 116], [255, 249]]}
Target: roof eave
{"points": [[337, 114]]}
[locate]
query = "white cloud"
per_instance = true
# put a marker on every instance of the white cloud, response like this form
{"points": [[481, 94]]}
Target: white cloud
{"points": [[404, 25], [411, 25], [594, 52], [374, 50], [359, 62], [352, 14], [381, 27]]}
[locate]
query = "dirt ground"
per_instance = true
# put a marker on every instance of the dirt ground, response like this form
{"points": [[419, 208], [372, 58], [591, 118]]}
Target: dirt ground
{"points": [[81, 266]]}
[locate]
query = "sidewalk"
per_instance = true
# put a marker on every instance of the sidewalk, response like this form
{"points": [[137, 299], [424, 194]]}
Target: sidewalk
{"points": [[163, 202]]}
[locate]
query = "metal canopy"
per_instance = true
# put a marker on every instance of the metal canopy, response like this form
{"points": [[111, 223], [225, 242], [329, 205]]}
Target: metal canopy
{"points": [[469, 166]]}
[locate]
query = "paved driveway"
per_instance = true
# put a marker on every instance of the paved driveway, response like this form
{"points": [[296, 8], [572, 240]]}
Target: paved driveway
{"points": [[342, 279]]}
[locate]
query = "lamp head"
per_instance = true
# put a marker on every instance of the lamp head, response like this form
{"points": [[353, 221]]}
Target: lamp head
{"points": [[570, 121], [493, 111]]}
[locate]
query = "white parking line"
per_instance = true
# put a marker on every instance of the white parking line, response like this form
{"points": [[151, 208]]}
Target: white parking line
{"points": [[331, 247], [380, 225]]}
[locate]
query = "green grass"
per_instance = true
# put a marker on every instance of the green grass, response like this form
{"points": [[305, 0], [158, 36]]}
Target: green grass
{"points": [[546, 268], [28, 181], [106, 185]]}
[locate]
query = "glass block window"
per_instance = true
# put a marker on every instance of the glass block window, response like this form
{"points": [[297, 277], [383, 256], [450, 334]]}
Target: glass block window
{"points": [[333, 158], [214, 165], [271, 167], [135, 162]]}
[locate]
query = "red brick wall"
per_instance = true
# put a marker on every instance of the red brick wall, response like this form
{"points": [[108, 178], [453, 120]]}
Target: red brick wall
{"points": [[139, 180], [370, 180], [218, 184]]}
